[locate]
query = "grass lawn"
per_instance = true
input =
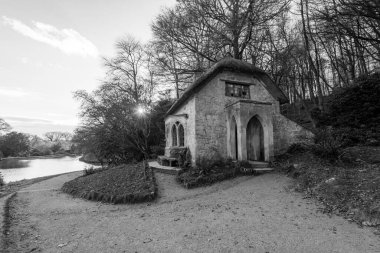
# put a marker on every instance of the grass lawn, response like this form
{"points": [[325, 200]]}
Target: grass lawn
{"points": [[348, 189], [121, 184]]}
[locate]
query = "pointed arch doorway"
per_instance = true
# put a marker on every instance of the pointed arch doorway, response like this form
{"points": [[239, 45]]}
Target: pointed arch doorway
{"points": [[255, 140]]}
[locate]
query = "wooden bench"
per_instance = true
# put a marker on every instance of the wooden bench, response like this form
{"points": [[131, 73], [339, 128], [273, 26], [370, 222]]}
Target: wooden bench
{"points": [[167, 161]]}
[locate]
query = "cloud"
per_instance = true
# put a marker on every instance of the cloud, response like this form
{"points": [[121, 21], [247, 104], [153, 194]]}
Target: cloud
{"points": [[25, 60], [39, 64], [24, 119], [39, 126], [68, 41], [18, 93], [13, 93]]}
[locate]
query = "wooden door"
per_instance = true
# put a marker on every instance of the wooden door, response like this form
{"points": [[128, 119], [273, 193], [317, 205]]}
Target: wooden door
{"points": [[255, 140]]}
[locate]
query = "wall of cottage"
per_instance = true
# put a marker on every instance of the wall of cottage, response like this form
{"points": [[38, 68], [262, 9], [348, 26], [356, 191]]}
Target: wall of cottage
{"points": [[211, 116], [206, 118], [186, 116]]}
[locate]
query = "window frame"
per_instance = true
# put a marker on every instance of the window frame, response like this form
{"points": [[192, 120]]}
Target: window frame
{"points": [[178, 137], [235, 89]]}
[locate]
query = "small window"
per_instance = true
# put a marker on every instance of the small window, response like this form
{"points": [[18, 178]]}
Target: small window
{"points": [[174, 135], [237, 90]]}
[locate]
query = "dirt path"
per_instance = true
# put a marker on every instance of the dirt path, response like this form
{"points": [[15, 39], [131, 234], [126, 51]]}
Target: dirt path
{"points": [[246, 214]]}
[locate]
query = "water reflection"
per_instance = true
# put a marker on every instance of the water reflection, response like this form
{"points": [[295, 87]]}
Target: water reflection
{"points": [[39, 167], [13, 164]]}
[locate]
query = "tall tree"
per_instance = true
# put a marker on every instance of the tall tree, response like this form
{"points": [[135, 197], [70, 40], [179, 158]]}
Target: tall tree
{"points": [[15, 144], [114, 116], [213, 28]]}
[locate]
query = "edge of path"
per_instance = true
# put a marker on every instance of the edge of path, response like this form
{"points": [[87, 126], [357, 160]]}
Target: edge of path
{"points": [[9, 194]]}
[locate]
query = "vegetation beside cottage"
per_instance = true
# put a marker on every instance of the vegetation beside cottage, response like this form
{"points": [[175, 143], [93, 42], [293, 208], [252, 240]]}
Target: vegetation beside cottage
{"points": [[342, 168], [351, 189], [209, 172], [128, 183]]}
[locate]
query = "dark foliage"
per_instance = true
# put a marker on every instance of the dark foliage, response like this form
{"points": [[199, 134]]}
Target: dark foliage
{"points": [[350, 189], [89, 171], [327, 145], [208, 172], [353, 112], [157, 126], [357, 106], [121, 139], [15, 144], [298, 148], [117, 185]]}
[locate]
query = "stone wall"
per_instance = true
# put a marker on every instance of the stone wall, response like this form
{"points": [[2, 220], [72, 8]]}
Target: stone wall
{"points": [[286, 132], [211, 116], [206, 119], [211, 126], [186, 116]]}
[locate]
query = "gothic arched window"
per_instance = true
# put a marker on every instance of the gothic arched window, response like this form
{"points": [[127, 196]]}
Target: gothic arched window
{"points": [[181, 135], [174, 135]]}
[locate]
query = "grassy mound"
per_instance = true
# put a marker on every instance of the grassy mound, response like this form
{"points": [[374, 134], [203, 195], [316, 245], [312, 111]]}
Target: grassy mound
{"points": [[351, 190], [121, 184]]}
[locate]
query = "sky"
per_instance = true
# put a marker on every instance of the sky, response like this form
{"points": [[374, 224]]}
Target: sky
{"points": [[51, 48]]}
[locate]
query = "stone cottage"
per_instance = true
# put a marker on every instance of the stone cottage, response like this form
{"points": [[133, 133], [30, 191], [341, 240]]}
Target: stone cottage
{"points": [[232, 110]]}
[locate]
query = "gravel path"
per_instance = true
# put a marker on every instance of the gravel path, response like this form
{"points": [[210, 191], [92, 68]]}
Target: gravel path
{"points": [[246, 214]]}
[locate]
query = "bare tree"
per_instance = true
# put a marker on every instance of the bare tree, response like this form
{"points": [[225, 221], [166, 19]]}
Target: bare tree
{"points": [[115, 119], [58, 136], [213, 28], [4, 126]]}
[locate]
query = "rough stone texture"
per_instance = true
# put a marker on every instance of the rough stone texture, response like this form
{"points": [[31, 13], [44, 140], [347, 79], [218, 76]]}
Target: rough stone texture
{"points": [[210, 113], [243, 112], [186, 116], [287, 132]]}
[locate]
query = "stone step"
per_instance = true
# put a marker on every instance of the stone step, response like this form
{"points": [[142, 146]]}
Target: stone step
{"points": [[164, 169], [263, 169], [257, 170], [257, 164]]}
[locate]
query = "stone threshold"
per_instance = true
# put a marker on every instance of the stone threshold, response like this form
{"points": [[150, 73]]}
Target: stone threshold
{"points": [[164, 169]]}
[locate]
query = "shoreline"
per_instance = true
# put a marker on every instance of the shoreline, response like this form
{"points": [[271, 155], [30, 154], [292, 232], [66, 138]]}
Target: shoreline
{"points": [[38, 157], [15, 186]]}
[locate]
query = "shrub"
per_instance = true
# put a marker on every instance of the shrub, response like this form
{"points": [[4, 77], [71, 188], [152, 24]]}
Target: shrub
{"points": [[208, 172], [89, 171], [56, 147], [298, 148], [352, 189], [327, 145], [41, 150]]}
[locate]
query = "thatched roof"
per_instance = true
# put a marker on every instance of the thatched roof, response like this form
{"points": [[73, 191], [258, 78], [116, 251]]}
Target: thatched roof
{"points": [[234, 65]]}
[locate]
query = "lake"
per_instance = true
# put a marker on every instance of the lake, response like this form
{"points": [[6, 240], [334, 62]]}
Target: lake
{"points": [[27, 169]]}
